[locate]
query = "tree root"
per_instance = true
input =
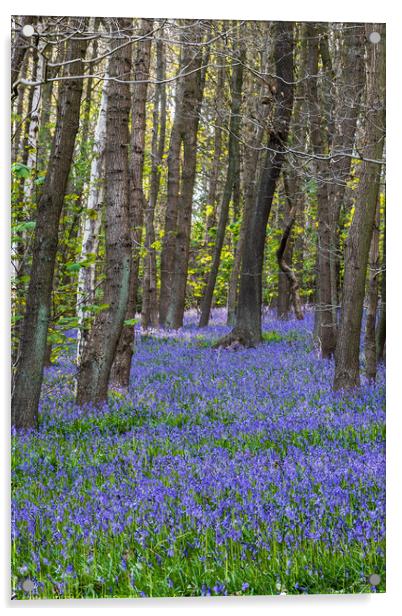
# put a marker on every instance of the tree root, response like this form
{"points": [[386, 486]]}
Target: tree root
{"points": [[235, 340]]}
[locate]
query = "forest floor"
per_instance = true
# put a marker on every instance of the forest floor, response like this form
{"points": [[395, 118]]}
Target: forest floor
{"points": [[218, 472]]}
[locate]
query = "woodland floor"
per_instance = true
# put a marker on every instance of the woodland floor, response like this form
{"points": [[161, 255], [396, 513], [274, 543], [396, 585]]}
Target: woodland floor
{"points": [[218, 472]]}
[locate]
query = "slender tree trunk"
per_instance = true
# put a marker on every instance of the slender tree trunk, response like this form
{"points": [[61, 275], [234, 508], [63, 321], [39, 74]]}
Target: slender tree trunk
{"points": [[18, 109], [150, 289], [176, 241], [347, 373], [20, 47], [33, 131], [319, 139], [347, 109], [98, 354], [172, 204], [233, 156], [91, 222], [282, 255], [29, 372], [370, 349], [122, 361], [247, 330], [211, 214], [381, 328]]}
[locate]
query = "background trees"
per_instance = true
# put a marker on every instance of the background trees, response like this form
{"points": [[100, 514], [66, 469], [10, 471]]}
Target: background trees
{"points": [[239, 165]]}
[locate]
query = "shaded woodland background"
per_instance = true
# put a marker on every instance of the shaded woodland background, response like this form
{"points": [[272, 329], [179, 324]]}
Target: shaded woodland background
{"points": [[160, 165]]}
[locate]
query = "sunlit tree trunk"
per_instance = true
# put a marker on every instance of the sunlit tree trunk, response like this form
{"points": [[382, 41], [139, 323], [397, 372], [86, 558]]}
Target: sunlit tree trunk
{"points": [[91, 222]]}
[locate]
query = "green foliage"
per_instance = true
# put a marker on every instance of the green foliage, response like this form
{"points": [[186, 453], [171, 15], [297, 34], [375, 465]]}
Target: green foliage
{"points": [[20, 170], [271, 336]]}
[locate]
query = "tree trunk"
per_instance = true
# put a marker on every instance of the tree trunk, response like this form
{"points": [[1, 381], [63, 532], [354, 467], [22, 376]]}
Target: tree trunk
{"points": [[347, 109], [29, 372], [381, 329], [247, 330], [211, 213], [98, 354], [122, 361], [149, 289], [33, 131], [320, 142], [253, 135], [233, 156], [175, 249], [372, 301], [91, 222], [20, 46], [282, 255], [347, 374]]}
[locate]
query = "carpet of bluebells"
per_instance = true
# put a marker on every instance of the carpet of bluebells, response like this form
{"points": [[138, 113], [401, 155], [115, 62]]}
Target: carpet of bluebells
{"points": [[218, 472]]}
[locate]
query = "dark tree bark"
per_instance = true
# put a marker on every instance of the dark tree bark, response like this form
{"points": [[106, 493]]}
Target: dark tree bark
{"points": [[282, 255], [370, 349], [98, 354], [150, 290], [253, 133], [288, 285], [347, 372], [29, 372], [232, 169], [122, 361], [175, 249], [247, 330]]}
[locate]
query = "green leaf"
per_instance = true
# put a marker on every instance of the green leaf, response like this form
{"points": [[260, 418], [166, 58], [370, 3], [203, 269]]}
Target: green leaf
{"points": [[24, 226], [73, 267], [20, 170], [131, 322]]}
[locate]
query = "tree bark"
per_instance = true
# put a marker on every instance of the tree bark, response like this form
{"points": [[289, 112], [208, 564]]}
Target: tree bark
{"points": [[97, 358], [20, 47], [175, 249], [29, 372], [347, 370], [346, 111], [233, 156], [381, 329], [320, 143], [370, 349], [150, 289], [253, 136], [122, 360], [282, 255], [91, 222], [247, 330]]}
